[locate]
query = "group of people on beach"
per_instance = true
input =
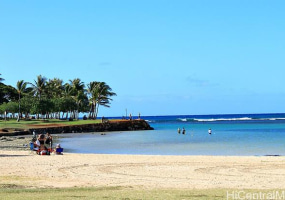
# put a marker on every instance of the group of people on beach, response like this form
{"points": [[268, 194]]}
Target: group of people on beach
{"points": [[40, 142], [184, 131]]}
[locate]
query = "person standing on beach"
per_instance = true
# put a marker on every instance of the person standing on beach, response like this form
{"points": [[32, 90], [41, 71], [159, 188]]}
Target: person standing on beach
{"points": [[178, 130], [48, 139], [34, 136], [183, 131]]}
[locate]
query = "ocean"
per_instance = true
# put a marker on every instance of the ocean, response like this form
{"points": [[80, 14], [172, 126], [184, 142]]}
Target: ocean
{"points": [[232, 134]]}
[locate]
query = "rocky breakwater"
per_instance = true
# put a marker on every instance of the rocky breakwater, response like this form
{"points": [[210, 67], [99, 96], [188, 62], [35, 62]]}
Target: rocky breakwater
{"points": [[113, 125], [13, 132]]}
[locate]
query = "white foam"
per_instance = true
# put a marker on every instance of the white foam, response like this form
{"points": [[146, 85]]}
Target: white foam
{"points": [[224, 119]]}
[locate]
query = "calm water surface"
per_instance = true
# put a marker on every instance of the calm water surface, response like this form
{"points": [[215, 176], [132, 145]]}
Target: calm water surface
{"points": [[259, 134]]}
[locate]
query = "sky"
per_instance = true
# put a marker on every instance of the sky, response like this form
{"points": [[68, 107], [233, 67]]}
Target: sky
{"points": [[161, 57]]}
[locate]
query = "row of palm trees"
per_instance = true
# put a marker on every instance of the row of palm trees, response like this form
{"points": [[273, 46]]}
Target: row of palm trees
{"points": [[52, 98]]}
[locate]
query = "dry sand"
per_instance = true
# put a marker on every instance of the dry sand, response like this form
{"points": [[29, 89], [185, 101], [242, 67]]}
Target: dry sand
{"points": [[181, 172]]}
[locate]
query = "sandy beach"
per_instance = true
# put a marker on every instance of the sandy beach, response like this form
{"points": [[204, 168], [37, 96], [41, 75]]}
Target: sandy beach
{"points": [[25, 168]]}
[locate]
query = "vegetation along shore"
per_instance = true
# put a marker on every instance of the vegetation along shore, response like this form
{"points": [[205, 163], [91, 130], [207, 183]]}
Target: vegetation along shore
{"points": [[53, 99]]}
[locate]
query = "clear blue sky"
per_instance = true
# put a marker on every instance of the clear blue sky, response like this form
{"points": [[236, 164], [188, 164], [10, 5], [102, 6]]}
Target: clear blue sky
{"points": [[161, 57]]}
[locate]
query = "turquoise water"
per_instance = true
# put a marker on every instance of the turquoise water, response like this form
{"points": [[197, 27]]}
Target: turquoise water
{"points": [[262, 134]]}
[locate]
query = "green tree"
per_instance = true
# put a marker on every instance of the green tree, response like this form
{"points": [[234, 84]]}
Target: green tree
{"points": [[39, 86], [54, 88], [92, 98], [53, 97], [10, 107], [7, 93], [21, 87], [78, 93], [42, 106], [104, 97], [100, 94], [67, 105], [27, 104]]}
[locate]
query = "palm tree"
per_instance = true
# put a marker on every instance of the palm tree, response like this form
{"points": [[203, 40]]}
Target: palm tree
{"points": [[77, 85], [100, 94], [105, 95], [39, 86], [67, 99], [67, 90], [54, 91], [78, 93], [54, 88], [21, 87], [92, 99]]}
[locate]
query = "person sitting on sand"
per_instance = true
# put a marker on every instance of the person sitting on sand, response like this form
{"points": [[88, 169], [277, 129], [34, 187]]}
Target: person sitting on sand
{"points": [[41, 139], [37, 145], [58, 150]]}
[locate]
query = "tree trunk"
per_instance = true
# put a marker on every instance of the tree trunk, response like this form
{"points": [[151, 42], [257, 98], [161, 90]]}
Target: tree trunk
{"points": [[92, 111], [97, 108]]}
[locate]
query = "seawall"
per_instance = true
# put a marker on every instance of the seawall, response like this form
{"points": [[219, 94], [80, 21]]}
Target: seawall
{"points": [[116, 125]]}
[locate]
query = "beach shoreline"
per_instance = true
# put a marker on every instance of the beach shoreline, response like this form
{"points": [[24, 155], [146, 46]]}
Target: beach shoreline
{"points": [[22, 167], [27, 169]]}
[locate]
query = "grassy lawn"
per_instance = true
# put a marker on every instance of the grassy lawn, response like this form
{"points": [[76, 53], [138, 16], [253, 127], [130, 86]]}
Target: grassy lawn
{"points": [[23, 124], [122, 193], [110, 193]]}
